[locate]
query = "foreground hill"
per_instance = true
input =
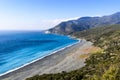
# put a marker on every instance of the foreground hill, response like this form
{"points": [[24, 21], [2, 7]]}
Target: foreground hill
{"points": [[102, 65], [85, 23]]}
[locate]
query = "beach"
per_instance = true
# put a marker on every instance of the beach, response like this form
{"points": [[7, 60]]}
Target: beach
{"points": [[64, 60]]}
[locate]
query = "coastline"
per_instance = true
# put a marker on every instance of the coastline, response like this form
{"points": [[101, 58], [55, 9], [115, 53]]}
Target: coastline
{"points": [[43, 65], [39, 59]]}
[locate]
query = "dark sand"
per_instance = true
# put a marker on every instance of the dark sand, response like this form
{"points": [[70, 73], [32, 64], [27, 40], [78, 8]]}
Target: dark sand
{"points": [[64, 60]]}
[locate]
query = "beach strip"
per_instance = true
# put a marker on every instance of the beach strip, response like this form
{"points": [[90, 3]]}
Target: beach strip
{"points": [[43, 65]]}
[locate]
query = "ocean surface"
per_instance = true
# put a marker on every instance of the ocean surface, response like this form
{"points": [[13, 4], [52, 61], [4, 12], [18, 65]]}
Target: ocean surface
{"points": [[18, 48]]}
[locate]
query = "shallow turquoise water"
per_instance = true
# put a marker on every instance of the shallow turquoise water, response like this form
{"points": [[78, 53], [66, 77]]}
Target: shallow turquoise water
{"points": [[19, 48]]}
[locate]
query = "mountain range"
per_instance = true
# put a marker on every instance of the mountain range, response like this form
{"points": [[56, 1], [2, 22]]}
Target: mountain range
{"points": [[103, 64], [85, 23]]}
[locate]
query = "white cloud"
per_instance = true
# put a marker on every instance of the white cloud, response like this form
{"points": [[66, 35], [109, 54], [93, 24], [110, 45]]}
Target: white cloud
{"points": [[45, 24], [32, 24]]}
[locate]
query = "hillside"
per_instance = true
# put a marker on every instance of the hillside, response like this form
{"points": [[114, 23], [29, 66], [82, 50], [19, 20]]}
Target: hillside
{"points": [[103, 65], [85, 23], [96, 35]]}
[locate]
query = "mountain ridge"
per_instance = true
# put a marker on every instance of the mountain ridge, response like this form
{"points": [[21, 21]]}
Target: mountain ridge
{"points": [[84, 23], [101, 65]]}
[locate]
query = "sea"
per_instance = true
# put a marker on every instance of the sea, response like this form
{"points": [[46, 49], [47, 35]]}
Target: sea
{"points": [[20, 48]]}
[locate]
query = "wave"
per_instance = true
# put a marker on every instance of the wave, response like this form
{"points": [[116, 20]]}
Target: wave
{"points": [[40, 58]]}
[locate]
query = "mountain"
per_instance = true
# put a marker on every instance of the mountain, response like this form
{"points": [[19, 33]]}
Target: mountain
{"points": [[102, 65], [94, 33], [85, 23]]}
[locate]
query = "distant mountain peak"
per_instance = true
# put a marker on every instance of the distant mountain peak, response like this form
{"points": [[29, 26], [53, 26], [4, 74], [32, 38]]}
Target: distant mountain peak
{"points": [[117, 13], [87, 17], [84, 23]]}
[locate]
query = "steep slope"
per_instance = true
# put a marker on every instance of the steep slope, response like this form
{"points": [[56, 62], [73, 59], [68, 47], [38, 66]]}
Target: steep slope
{"points": [[103, 65], [97, 32], [85, 23]]}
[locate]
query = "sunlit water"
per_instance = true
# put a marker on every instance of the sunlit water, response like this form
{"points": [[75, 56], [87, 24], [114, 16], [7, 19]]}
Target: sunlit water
{"points": [[19, 48]]}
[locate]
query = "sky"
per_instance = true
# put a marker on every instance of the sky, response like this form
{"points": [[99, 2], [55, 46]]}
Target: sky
{"points": [[45, 14]]}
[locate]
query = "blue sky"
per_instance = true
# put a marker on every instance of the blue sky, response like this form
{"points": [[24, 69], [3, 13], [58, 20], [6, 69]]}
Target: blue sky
{"points": [[44, 14]]}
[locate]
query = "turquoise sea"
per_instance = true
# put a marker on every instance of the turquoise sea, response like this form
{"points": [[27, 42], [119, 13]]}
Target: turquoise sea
{"points": [[18, 48]]}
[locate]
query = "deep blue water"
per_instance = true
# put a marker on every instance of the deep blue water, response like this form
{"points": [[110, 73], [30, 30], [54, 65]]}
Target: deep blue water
{"points": [[19, 48]]}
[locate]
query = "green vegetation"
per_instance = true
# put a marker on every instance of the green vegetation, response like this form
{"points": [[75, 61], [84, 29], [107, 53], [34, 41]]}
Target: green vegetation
{"points": [[104, 65]]}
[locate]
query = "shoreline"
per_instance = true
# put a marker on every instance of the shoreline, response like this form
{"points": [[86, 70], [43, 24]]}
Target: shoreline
{"points": [[6, 74], [39, 58], [53, 63]]}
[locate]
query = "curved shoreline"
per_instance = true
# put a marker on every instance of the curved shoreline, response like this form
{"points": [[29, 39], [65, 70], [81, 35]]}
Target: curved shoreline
{"points": [[10, 71], [54, 63]]}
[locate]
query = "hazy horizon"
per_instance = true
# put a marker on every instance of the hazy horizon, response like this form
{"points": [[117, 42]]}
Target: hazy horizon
{"points": [[45, 14]]}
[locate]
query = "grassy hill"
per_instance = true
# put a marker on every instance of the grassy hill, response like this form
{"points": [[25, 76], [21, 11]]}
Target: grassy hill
{"points": [[104, 65], [99, 36]]}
